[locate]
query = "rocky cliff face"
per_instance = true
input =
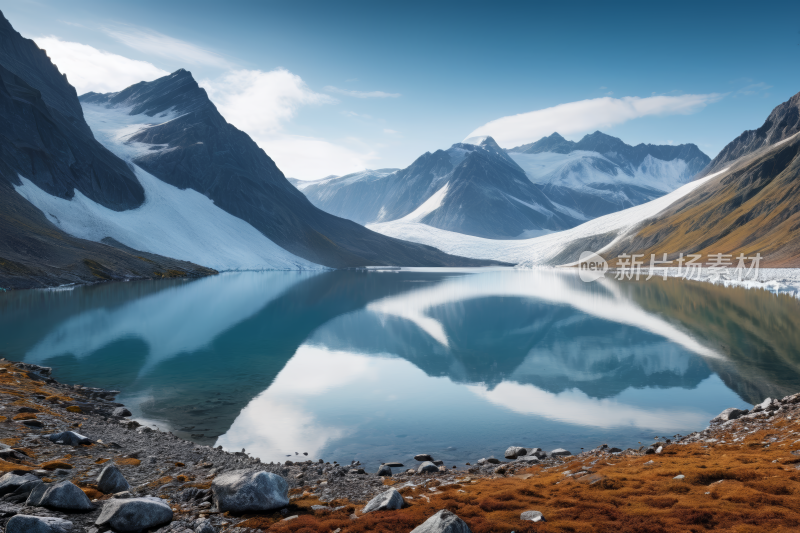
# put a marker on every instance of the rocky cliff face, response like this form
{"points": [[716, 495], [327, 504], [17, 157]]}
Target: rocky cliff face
{"points": [[782, 123], [43, 135]]}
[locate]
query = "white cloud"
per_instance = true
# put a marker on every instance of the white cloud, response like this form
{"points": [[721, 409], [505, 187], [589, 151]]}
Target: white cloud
{"points": [[152, 42], [309, 158], [90, 69], [258, 102], [587, 115], [262, 103], [361, 94], [388, 131]]}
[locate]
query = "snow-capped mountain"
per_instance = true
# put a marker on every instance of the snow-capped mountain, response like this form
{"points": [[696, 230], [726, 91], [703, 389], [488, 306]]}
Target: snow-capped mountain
{"points": [[46, 144], [170, 130], [601, 174], [477, 188]]}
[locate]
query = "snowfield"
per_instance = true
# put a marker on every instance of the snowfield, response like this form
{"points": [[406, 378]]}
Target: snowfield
{"points": [[539, 250], [182, 224]]}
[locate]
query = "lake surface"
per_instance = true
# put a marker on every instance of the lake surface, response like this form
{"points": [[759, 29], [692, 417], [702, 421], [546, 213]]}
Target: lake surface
{"points": [[379, 366]]}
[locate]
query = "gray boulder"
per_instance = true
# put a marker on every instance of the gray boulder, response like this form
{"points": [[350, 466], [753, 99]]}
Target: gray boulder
{"points": [[121, 412], [69, 438], [395, 465], [134, 514], [533, 516], [515, 451], [427, 467], [245, 490], [538, 452], [64, 496], [390, 500], [527, 459], [560, 452], [11, 482], [23, 491], [423, 457], [493, 461], [443, 522], [111, 480], [728, 414], [385, 470], [37, 524]]}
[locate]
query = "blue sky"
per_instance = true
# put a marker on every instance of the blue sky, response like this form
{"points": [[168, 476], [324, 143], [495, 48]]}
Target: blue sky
{"points": [[328, 87]]}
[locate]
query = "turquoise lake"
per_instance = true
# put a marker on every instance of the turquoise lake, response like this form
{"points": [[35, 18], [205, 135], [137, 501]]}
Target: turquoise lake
{"points": [[379, 366]]}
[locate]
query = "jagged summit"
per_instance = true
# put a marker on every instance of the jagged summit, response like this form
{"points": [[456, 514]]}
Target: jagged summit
{"points": [[178, 91], [606, 144], [782, 123]]}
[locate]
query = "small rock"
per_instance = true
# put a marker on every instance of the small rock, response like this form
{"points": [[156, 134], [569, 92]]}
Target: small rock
{"points": [[121, 412], [482, 461], [493, 461], [27, 410], [728, 414], [438, 463], [390, 500], [613, 450], [679, 476], [134, 514], [246, 490], [385, 470], [205, 527], [37, 524], [528, 459], [33, 423], [427, 467], [532, 516], [394, 465], [111, 480], [443, 522], [515, 451], [64, 496], [69, 438], [659, 449], [560, 452], [423, 457]]}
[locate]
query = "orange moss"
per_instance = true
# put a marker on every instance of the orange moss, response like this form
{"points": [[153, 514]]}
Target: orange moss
{"points": [[92, 493], [74, 409], [24, 416], [127, 461], [101, 461], [55, 465], [179, 464], [11, 441]]}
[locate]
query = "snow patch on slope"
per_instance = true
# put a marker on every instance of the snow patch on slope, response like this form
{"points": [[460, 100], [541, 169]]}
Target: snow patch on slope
{"points": [[427, 207], [540, 249], [182, 224]]}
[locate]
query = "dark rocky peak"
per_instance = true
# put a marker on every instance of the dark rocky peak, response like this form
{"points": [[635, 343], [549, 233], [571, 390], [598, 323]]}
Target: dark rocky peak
{"points": [[782, 123], [178, 91], [555, 143], [25, 59], [601, 143]]}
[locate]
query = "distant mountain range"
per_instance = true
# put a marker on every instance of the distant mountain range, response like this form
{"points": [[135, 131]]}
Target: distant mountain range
{"points": [[748, 204], [477, 188]]}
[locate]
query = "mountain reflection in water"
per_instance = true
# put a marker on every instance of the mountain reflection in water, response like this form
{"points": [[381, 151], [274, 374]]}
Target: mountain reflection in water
{"points": [[379, 366]]}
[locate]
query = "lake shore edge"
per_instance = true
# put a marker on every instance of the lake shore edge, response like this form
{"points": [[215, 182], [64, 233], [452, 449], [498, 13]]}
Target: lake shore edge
{"points": [[725, 459]]}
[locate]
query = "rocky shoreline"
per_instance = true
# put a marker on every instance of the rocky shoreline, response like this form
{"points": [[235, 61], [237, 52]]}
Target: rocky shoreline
{"points": [[72, 454]]}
